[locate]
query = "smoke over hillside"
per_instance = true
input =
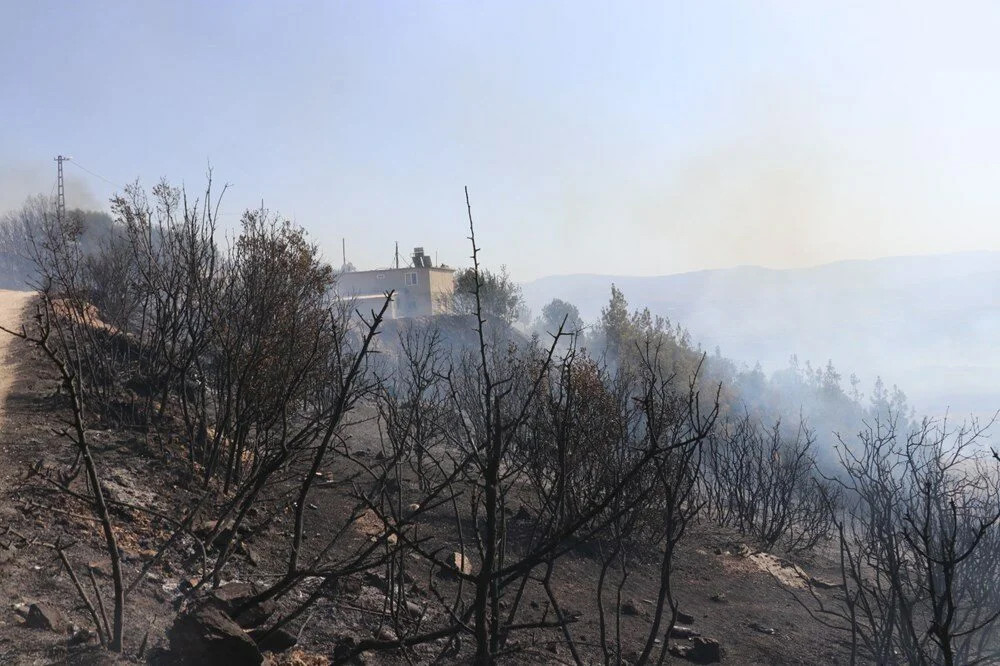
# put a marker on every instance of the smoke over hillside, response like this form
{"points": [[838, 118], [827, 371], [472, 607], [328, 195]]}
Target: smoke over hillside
{"points": [[925, 323], [19, 181]]}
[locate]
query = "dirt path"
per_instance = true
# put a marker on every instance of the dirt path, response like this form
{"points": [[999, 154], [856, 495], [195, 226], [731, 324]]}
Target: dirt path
{"points": [[12, 304]]}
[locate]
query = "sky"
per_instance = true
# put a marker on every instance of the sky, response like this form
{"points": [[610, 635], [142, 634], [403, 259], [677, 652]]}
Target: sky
{"points": [[615, 138]]}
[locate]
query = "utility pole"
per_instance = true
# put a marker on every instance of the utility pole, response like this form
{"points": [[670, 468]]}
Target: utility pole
{"points": [[61, 196], [343, 252], [397, 254]]}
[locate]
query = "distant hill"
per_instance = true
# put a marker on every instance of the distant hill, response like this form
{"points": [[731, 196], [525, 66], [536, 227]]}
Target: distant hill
{"points": [[930, 324]]}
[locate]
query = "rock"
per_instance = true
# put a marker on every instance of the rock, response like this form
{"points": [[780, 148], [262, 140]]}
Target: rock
{"points": [[207, 635], [386, 634], [275, 641], [343, 647], [232, 596], [685, 618], [630, 608], [205, 527], [225, 533], [679, 631], [188, 584], [414, 610], [350, 586], [102, 568], [719, 598], [372, 579], [700, 651], [824, 584], [413, 508], [80, 636], [756, 626], [43, 616], [250, 554], [7, 554], [460, 563]]}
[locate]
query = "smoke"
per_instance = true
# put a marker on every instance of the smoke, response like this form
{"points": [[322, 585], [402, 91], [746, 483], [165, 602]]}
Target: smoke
{"points": [[780, 190], [20, 181]]}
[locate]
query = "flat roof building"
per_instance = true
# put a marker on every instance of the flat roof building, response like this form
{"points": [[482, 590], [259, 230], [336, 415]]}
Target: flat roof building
{"points": [[421, 289]]}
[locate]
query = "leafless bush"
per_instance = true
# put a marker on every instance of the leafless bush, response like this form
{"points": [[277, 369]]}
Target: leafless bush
{"points": [[915, 540], [245, 351], [534, 455], [765, 483], [529, 451]]}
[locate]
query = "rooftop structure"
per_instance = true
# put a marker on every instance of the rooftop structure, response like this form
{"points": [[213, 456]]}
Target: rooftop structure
{"points": [[420, 290]]}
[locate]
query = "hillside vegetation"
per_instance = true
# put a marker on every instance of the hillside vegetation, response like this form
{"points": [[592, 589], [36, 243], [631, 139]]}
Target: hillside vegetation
{"points": [[249, 463], [925, 323]]}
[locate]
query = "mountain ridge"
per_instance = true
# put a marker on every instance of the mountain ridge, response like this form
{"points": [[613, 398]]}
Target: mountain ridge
{"points": [[893, 317]]}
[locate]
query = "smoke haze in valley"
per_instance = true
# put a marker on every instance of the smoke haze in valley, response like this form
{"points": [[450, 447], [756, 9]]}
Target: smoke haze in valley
{"points": [[926, 323]]}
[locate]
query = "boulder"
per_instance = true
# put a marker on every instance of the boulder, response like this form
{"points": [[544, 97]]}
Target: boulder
{"points": [[414, 610], [250, 553], [205, 634], [376, 580], [43, 616], [231, 596], [79, 635], [825, 584], [350, 586], [757, 626], [631, 608], [102, 568], [460, 563], [699, 650], [680, 631]]}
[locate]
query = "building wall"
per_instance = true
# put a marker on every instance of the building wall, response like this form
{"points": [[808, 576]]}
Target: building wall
{"points": [[442, 285], [411, 300]]}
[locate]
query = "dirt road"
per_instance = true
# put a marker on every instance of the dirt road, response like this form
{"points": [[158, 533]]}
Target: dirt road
{"points": [[12, 304]]}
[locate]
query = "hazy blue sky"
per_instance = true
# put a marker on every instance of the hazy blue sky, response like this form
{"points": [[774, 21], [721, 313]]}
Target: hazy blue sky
{"points": [[594, 137]]}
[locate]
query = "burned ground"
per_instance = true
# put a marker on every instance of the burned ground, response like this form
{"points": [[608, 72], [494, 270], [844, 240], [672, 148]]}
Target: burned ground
{"points": [[719, 580]]}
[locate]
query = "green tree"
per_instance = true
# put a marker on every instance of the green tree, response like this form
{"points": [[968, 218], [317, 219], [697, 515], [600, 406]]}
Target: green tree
{"points": [[615, 323], [558, 310], [500, 296]]}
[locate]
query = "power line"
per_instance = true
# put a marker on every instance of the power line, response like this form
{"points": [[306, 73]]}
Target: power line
{"points": [[95, 174]]}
